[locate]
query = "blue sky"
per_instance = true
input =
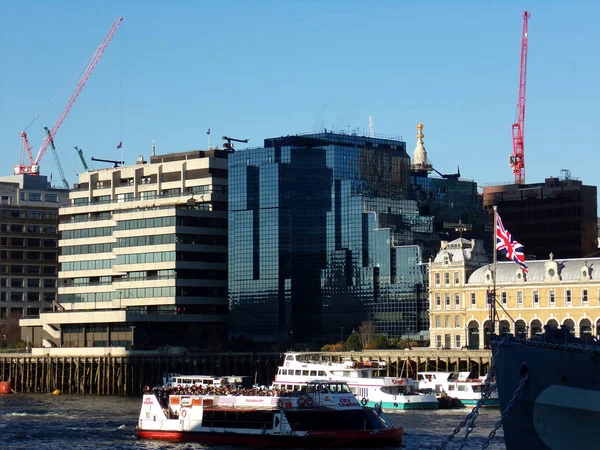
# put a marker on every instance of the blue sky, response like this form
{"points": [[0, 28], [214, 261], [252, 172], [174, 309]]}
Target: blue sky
{"points": [[258, 69]]}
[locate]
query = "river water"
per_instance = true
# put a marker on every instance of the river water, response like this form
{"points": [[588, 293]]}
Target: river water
{"points": [[32, 421]]}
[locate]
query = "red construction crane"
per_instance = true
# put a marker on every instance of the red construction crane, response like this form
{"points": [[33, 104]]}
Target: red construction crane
{"points": [[34, 167], [517, 159]]}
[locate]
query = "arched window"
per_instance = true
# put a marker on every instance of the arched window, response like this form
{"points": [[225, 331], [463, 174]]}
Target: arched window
{"points": [[585, 329], [552, 323], [536, 328], [487, 334], [504, 327], [520, 329], [568, 323], [473, 335]]}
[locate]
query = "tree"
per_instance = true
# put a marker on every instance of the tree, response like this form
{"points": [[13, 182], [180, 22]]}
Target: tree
{"points": [[353, 343], [366, 333], [381, 341]]}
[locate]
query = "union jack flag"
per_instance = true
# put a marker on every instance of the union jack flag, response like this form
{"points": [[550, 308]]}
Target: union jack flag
{"points": [[512, 249]]}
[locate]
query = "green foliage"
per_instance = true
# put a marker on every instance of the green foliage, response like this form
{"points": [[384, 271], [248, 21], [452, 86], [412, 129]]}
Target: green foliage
{"points": [[381, 342], [353, 343]]}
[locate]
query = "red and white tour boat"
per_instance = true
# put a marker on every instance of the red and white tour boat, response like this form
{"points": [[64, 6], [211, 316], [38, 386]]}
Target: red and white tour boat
{"points": [[325, 415]]}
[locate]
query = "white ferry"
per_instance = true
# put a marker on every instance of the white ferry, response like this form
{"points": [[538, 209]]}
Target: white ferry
{"points": [[175, 379], [457, 385], [325, 415], [369, 389]]}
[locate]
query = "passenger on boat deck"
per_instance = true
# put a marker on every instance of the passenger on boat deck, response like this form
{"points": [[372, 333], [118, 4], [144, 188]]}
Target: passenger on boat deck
{"points": [[164, 392]]}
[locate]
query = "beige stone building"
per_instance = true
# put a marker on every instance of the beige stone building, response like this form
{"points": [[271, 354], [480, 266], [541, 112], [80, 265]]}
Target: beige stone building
{"points": [[553, 292], [143, 257]]}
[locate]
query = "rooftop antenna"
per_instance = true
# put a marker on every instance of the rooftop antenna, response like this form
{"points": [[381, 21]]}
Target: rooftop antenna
{"points": [[371, 128], [153, 148]]}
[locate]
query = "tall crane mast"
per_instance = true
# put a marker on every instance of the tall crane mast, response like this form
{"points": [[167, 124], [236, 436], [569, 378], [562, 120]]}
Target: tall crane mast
{"points": [[58, 164], [517, 159], [80, 153], [33, 168]]}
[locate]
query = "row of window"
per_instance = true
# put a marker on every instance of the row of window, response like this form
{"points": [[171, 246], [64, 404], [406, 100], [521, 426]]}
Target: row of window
{"points": [[146, 240], [145, 258], [447, 321], [27, 282], [17, 312], [87, 233], [568, 298], [19, 255], [22, 228], [28, 214], [97, 264], [437, 279], [27, 296], [17, 269], [27, 242], [37, 197], [87, 249], [96, 328]]}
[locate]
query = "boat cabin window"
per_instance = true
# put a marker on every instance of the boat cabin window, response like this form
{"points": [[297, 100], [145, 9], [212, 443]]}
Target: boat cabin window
{"points": [[462, 387], [305, 373], [289, 358], [322, 373], [476, 388], [313, 373], [451, 387], [298, 372]]}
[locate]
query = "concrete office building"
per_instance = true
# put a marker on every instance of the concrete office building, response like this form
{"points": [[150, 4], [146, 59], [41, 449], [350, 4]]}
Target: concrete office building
{"points": [[28, 249], [557, 216], [143, 256]]}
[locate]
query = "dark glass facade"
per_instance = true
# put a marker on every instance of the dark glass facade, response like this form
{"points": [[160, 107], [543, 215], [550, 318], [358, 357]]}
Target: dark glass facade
{"points": [[321, 234]]}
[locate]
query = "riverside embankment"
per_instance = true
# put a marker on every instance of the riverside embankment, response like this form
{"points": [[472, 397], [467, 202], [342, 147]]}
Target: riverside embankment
{"points": [[117, 371]]}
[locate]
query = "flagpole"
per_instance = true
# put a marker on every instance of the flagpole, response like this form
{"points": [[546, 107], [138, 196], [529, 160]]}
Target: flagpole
{"points": [[495, 260], [208, 139]]}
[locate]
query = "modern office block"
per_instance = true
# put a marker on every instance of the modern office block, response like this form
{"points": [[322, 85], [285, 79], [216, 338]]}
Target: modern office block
{"points": [[28, 249], [327, 230], [144, 256], [558, 216]]}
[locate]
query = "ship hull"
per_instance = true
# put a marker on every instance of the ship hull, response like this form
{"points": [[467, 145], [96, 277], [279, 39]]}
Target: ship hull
{"points": [[404, 406], [559, 406], [318, 439]]}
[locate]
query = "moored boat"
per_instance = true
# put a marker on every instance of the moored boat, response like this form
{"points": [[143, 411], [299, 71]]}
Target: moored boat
{"points": [[457, 389], [325, 415], [362, 377]]}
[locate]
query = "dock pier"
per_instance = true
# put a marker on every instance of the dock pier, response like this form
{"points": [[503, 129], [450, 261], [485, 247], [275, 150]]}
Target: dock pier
{"points": [[105, 371]]}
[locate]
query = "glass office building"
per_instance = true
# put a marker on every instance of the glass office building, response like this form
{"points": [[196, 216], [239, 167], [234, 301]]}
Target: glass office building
{"points": [[325, 232]]}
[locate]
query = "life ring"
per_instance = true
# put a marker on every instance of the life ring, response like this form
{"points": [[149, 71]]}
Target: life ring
{"points": [[309, 401], [395, 404], [400, 382], [364, 401], [394, 381], [301, 401], [287, 364], [183, 413]]}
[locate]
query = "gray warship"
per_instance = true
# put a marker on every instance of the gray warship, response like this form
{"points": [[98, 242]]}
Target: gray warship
{"points": [[549, 390]]}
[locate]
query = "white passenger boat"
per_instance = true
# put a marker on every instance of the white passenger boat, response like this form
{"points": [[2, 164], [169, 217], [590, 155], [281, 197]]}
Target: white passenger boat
{"points": [[172, 380], [325, 415], [362, 378], [457, 385]]}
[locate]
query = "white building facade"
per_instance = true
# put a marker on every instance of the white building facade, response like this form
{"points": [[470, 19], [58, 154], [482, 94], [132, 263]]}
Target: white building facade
{"points": [[143, 256]]}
